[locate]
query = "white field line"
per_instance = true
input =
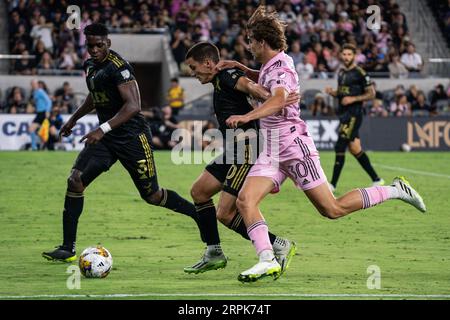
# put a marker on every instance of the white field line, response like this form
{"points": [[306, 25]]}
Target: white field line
{"points": [[423, 173], [230, 295]]}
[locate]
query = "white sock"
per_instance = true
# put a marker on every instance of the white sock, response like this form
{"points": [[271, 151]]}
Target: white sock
{"points": [[266, 255], [393, 192]]}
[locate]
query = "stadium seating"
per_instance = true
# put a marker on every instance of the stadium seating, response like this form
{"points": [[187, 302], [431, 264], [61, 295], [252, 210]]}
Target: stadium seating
{"points": [[344, 21], [320, 28]]}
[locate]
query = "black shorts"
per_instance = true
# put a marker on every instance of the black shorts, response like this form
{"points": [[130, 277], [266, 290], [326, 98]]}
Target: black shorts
{"points": [[136, 156], [231, 167], [349, 127], [40, 117]]}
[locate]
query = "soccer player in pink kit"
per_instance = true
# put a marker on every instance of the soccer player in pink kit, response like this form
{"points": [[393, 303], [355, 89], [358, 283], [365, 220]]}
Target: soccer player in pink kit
{"points": [[297, 156]]}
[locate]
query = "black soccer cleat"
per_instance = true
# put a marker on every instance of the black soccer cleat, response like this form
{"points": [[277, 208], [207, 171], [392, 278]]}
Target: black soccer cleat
{"points": [[60, 254]]}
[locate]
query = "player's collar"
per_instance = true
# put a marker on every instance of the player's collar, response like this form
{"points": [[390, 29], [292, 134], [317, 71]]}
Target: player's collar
{"points": [[354, 66], [106, 57], [104, 61], [272, 60]]}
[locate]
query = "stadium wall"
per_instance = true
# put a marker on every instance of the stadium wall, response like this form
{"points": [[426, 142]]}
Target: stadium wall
{"points": [[194, 90], [380, 134], [387, 134]]}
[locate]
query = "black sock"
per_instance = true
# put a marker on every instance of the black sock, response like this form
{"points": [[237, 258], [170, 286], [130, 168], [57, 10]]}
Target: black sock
{"points": [[208, 222], [364, 161], [237, 225], [173, 201], [338, 165], [73, 206]]}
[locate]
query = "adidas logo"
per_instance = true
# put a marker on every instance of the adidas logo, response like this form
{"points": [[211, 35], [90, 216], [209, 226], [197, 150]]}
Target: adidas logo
{"points": [[305, 182], [405, 188]]}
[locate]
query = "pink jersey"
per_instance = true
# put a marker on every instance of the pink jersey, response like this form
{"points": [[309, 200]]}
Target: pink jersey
{"points": [[289, 150], [279, 72]]}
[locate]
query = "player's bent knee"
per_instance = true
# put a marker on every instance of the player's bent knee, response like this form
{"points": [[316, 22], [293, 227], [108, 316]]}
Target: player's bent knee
{"points": [[225, 216], [354, 150], [245, 203], [74, 183], [154, 198], [198, 195]]}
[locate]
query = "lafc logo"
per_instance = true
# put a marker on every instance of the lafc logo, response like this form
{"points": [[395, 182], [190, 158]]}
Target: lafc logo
{"points": [[99, 97], [433, 134], [125, 74]]}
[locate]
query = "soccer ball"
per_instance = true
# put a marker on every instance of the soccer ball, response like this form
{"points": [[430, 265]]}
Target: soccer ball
{"points": [[95, 262], [405, 147]]}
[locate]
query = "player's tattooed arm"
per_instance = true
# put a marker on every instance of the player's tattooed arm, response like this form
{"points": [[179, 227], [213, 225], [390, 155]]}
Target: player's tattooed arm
{"points": [[369, 94], [85, 108], [228, 64]]}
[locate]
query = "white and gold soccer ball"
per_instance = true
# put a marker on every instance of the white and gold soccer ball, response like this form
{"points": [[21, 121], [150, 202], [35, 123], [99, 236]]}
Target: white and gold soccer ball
{"points": [[95, 262]]}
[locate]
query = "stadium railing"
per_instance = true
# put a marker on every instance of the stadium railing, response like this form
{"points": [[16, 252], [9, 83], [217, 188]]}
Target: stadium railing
{"points": [[59, 72]]}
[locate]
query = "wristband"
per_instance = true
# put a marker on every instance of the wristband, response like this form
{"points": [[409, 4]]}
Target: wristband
{"points": [[105, 127]]}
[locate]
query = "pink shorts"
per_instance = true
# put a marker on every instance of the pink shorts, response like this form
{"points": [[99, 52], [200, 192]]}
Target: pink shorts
{"points": [[298, 159]]}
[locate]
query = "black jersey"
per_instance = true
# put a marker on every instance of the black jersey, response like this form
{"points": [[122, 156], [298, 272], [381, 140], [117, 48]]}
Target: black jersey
{"points": [[352, 82], [228, 101], [103, 80]]}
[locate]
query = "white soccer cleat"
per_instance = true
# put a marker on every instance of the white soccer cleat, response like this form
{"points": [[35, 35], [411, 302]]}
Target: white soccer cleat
{"points": [[260, 270], [408, 194], [378, 183], [284, 251]]}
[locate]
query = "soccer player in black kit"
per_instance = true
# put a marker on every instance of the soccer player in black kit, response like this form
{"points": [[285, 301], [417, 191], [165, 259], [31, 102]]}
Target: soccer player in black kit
{"points": [[354, 87], [123, 135], [231, 88]]}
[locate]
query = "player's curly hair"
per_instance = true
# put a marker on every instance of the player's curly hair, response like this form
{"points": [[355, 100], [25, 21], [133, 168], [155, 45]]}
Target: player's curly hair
{"points": [[96, 29], [264, 25]]}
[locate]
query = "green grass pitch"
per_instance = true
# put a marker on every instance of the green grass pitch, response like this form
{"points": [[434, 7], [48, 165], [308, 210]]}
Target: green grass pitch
{"points": [[151, 245]]}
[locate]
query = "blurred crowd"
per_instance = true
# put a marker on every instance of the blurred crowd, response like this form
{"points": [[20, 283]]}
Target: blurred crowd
{"points": [[315, 31], [18, 99], [398, 102]]}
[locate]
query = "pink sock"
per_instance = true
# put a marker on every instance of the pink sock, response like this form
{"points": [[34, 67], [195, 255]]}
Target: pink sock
{"points": [[373, 196], [258, 233]]}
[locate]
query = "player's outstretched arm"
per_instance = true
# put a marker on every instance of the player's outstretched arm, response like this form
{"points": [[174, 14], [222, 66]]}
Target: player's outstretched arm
{"points": [[272, 106], [227, 64], [253, 89], [258, 92], [85, 108]]}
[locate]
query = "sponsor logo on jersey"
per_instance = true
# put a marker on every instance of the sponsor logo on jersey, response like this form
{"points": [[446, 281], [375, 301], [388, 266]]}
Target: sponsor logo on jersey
{"points": [[125, 74]]}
